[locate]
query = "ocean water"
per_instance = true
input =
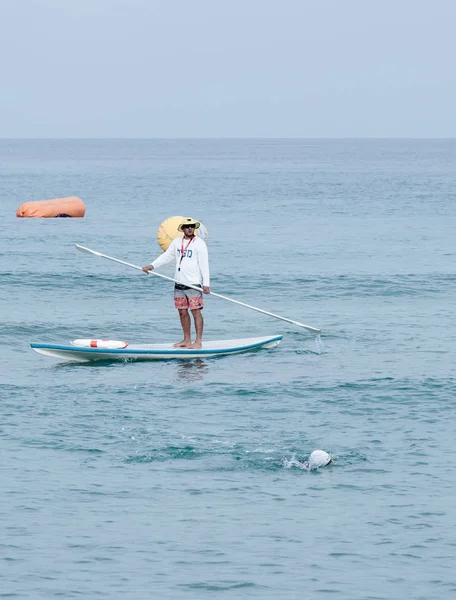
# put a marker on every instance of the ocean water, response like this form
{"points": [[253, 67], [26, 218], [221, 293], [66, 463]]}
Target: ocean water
{"points": [[180, 479]]}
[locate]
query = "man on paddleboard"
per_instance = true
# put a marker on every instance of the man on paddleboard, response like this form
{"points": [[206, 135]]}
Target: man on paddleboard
{"points": [[192, 269]]}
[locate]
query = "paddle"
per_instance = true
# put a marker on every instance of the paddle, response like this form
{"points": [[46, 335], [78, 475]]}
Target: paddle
{"points": [[264, 312]]}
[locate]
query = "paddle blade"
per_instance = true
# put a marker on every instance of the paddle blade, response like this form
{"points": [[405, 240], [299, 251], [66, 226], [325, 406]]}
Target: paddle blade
{"points": [[88, 250]]}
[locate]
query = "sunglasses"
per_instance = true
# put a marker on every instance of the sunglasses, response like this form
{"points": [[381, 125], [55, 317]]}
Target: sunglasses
{"points": [[192, 226]]}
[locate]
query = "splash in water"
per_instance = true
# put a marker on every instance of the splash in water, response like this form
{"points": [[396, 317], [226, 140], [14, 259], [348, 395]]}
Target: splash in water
{"points": [[319, 345]]}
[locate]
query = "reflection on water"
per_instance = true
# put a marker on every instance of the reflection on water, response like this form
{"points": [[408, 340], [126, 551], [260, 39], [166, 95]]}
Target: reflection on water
{"points": [[192, 370]]}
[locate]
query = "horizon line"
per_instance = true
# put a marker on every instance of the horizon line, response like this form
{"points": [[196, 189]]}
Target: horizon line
{"points": [[76, 138]]}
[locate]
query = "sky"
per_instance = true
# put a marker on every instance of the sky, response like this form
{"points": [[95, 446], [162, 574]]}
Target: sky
{"points": [[227, 68]]}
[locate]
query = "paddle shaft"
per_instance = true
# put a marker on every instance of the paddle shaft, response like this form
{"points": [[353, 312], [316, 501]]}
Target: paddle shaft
{"points": [[264, 312]]}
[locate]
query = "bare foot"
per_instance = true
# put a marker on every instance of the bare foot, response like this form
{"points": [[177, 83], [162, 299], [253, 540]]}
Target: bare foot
{"points": [[183, 344], [196, 346]]}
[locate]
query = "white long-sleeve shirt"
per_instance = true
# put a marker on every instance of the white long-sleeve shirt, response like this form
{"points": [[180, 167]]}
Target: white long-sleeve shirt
{"points": [[193, 269]]}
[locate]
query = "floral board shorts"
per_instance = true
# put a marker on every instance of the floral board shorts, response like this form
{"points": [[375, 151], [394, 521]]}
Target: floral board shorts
{"points": [[185, 297]]}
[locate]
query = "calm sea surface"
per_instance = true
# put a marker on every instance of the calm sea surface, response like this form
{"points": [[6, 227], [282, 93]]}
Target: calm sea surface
{"points": [[177, 480]]}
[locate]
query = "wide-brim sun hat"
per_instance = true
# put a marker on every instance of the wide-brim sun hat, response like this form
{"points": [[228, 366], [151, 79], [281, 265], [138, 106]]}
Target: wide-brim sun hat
{"points": [[188, 221]]}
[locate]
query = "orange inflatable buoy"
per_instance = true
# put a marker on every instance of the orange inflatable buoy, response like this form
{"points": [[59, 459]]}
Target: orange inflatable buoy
{"points": [[59, 207]]}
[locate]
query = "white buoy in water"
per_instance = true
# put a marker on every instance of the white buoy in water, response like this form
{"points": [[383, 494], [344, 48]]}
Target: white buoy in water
{"points": [[319, 458]]}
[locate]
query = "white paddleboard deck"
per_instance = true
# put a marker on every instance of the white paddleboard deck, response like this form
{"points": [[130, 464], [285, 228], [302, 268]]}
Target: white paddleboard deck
{"points": [[155, 351]]}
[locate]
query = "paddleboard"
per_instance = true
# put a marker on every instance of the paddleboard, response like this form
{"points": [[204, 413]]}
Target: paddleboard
{"points": [[86, 352]]}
